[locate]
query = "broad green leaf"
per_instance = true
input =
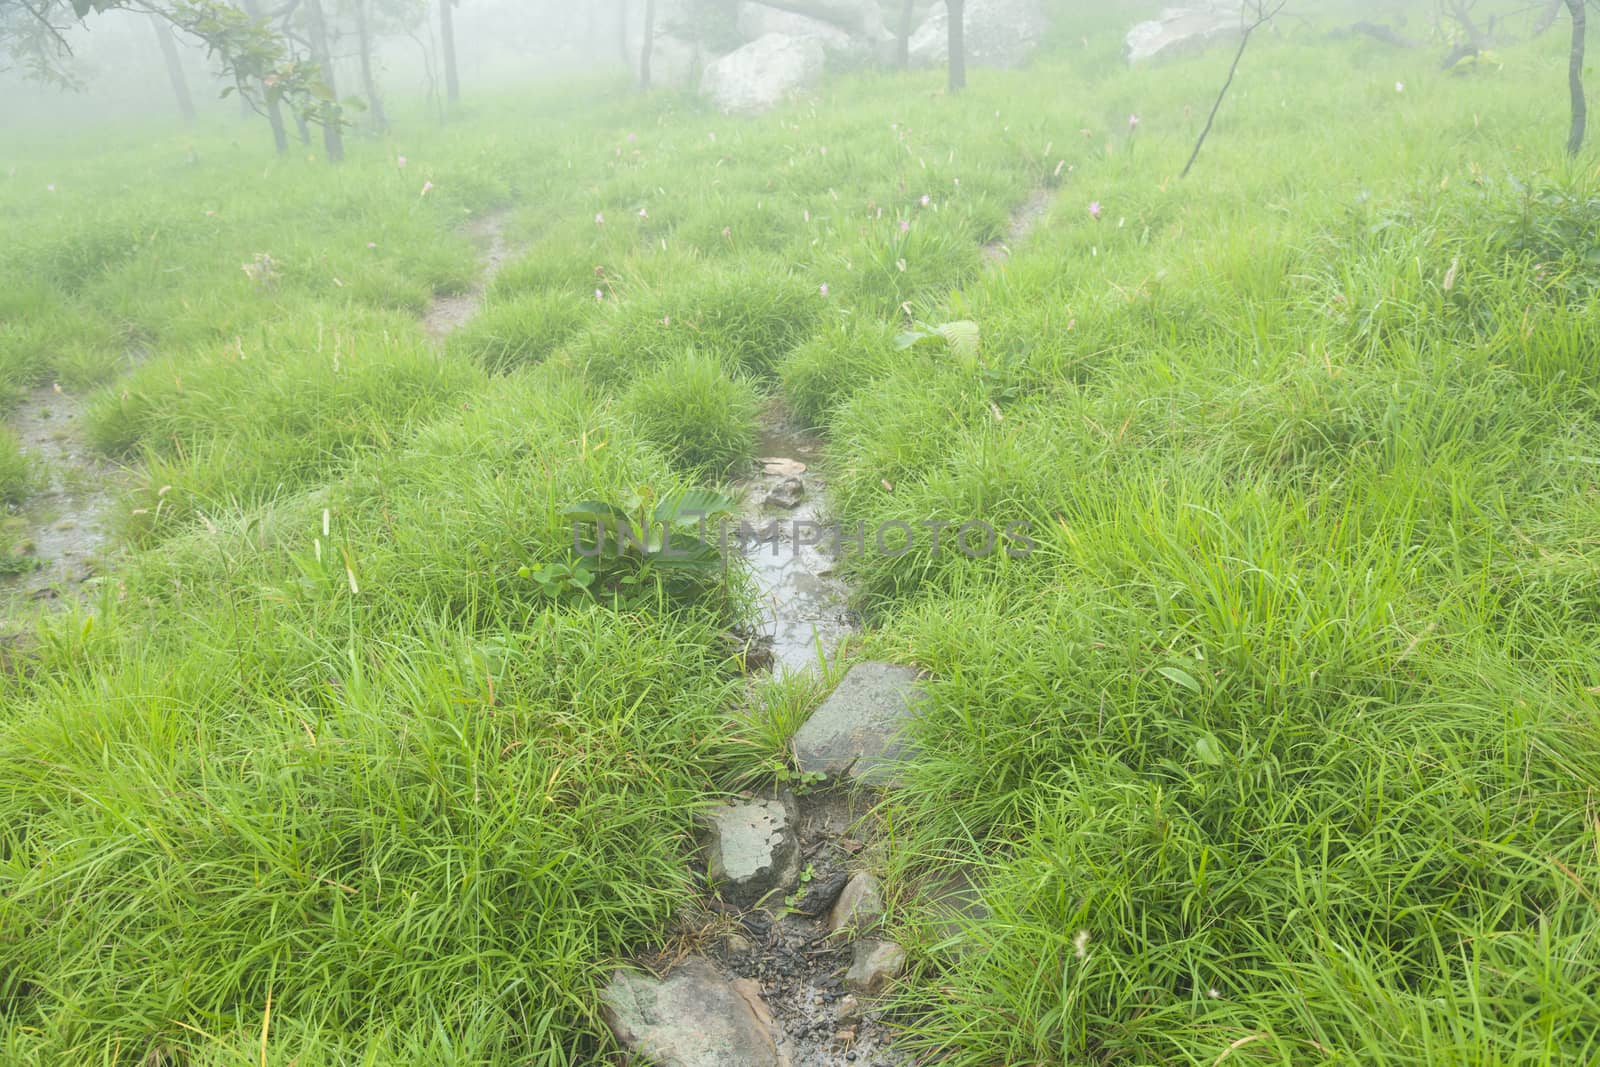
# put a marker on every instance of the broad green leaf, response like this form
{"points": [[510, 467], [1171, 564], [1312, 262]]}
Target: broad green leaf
{"points": [[1209, 749], [692, 505], [1181, 676], [597, 511], [962, 337]]}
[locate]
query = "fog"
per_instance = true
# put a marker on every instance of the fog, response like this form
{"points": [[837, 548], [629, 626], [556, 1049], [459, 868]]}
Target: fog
{"points": [[116, 61]]}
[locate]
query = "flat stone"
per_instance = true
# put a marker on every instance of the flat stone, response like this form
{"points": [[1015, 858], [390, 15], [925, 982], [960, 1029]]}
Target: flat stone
{"points": [[856, 733], [691, 1018], [876, 964], [859, 905], [754, 849]]}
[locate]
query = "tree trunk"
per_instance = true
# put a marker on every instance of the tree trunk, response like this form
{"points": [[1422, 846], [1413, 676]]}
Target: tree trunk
{"points": [[902, 48], [622, 33], [332, 121], [1547, 17], [280, 136], [1580, 108], [180, 84], [369, 85], [447, 42], [958, 44], [649, 43]]}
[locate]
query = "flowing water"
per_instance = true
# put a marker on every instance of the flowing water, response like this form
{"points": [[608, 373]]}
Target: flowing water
{"points": [[804, 604]]}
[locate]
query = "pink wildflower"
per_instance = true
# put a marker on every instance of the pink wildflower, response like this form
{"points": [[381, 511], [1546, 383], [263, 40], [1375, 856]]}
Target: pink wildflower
{"points": [[1094, 208]]}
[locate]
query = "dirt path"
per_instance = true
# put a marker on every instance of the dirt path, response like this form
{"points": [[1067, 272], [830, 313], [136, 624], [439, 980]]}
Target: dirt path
{"points": [[449, 313], [66, 525], [803, 982], [1024, 220]]}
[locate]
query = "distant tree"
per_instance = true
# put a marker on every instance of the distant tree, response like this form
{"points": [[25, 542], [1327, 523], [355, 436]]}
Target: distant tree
{"points": [[332, 116], [957, 10], [369, 83], [180, 82], [648, 45], [271, 105], [447, 43], [1580, 107], [623, 46], [902, 44], [253, 53]]}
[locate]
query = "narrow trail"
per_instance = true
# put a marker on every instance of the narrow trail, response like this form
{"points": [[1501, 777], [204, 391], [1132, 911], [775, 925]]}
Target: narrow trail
{"points": [[783, 963], [65, 526], [449, 313], [1024, 220]]}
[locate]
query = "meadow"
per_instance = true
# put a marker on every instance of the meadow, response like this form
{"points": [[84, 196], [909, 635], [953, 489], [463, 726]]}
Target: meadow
{"points": [[1281, 747]]}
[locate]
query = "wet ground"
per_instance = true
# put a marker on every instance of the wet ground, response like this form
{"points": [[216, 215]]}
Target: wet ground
{"points": [[64, 528], [804, 604], [785, 947], [1024, 220], [449, 313]]}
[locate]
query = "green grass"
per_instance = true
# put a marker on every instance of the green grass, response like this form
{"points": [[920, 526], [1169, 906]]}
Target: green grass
{"points": [[703, 417], [1280, 745], [17, 474]]}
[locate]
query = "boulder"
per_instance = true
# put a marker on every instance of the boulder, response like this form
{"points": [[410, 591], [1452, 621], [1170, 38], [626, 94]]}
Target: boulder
{"points": [[757, 20], [999, 33], [673, 62], [760, 75], [754, 849], [691, 1018], [856, 17], [857, 732], [1183, 31]]}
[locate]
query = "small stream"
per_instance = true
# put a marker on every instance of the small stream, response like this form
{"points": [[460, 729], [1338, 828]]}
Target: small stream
{"points": [[804, 604]]}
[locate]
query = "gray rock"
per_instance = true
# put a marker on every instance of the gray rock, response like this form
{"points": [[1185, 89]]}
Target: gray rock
{"points": [[692, 1018], [757, 20], [754, 849], [1183, 31], [857, 17], [999, 33], [859, 906], [875, 965], [849, 1009], [763, 73], [857, 732], [787, 493], [673, 63]]}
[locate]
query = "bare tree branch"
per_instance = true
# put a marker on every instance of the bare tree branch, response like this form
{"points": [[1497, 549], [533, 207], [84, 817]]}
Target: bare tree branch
{"points": [[1264, 12]]}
